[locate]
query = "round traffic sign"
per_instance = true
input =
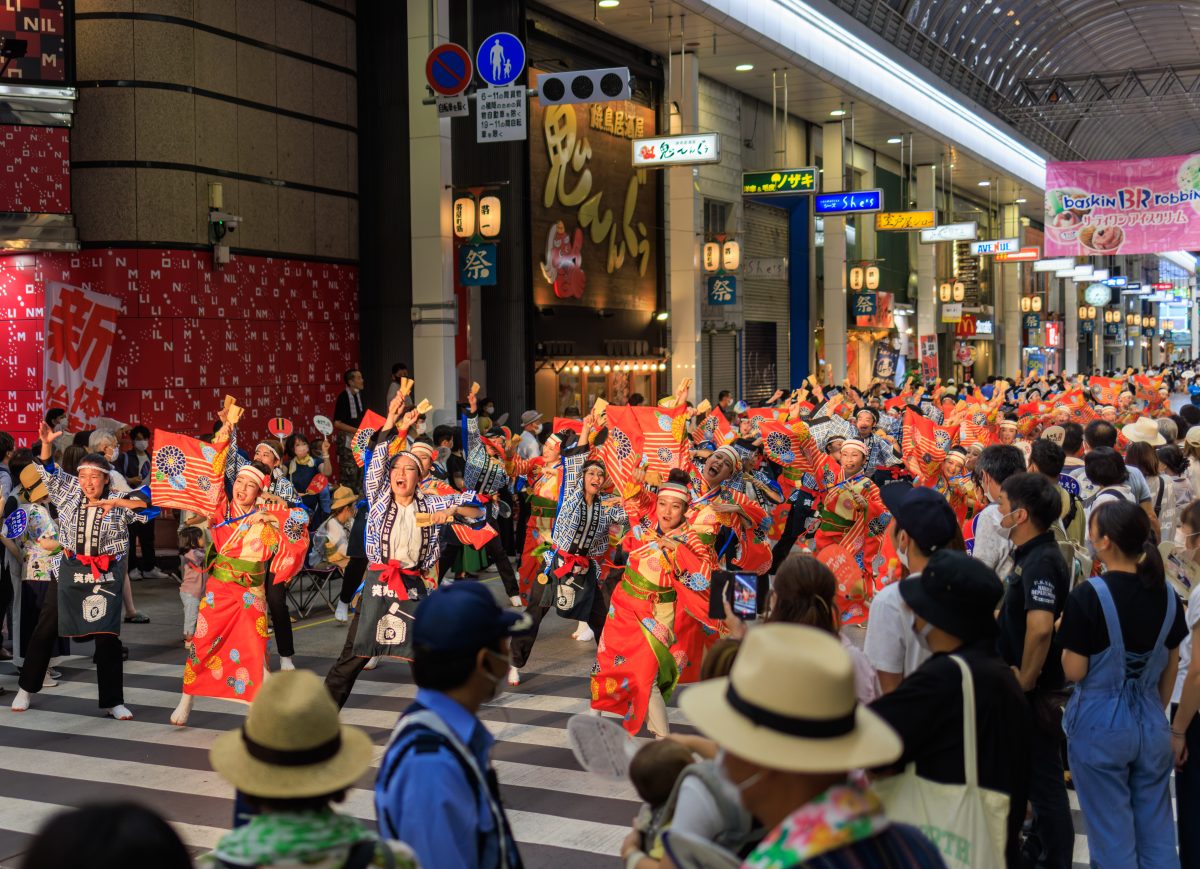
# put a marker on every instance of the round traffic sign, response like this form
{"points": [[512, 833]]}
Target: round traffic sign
{"points": [[448, 69], [500, 59]]}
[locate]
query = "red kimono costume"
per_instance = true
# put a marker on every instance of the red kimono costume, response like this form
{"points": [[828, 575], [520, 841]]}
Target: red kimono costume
{"points": [[544, 483], [228, 650], [854, 529], [645, 642]]}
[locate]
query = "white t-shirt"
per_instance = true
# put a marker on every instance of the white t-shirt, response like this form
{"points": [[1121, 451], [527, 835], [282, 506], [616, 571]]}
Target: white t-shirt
{"points": [[992, 547], [404, 543], [891, 645], [1185, 648]]}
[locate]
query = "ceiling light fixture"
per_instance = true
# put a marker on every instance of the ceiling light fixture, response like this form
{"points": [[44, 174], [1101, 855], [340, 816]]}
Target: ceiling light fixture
{"points": [[837, 113], [609, 4], [985, 183], [1021, 201], [895, 140], [744, 67]]}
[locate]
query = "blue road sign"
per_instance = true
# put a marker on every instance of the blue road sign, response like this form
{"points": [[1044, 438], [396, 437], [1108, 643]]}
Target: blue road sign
{"points": [[858, 202], [448, 69], [500, 59]]}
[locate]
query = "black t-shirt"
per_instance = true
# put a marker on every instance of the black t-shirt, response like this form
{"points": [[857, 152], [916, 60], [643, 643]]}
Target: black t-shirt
{"points": [[926, 710], [1040, 580], [343, 410], [1140, 610]]}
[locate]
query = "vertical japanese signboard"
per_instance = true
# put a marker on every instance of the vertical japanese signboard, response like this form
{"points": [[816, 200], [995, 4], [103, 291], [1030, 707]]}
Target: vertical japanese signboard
{"points": [[80, 329]]}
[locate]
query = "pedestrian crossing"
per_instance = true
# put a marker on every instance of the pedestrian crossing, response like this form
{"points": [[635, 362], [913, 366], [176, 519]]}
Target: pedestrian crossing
{"points": [[62, 753]]}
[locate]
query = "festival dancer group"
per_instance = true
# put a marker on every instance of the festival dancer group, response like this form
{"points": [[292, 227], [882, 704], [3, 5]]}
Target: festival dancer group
{"points": [[631, 512]]}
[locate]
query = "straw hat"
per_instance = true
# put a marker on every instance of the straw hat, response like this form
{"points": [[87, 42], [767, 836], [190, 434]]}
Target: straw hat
{"points": [[1145, 431], [31, 482], [789, 704], [292, 745], [342, 496]]}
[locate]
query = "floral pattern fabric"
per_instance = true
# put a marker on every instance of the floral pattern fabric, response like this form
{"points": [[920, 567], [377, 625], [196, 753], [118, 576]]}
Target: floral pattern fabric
{"points": [[841, 816]]}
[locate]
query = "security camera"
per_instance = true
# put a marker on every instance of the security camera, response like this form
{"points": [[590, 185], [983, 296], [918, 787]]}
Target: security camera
{"points": [[221, 223]]}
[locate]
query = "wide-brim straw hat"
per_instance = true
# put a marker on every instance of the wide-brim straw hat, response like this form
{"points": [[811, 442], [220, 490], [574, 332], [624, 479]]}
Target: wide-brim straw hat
{"points": [[342, 496], [789, 704], [31, 482], [292, 745], [1143, 430]]}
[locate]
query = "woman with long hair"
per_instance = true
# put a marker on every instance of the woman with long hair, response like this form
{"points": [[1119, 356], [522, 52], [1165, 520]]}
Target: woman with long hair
{"points": [[1120, 635], [804, 592], [1143, 456]]}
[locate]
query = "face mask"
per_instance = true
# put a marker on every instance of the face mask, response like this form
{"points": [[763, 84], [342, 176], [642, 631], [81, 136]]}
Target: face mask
{"points": [[1005, 531], [443, 454], [923, 637], [420, 427], [736, 789], [141, 446], [61, 425], [489, 410], [903, 556], [492, 677], [541, 427]]}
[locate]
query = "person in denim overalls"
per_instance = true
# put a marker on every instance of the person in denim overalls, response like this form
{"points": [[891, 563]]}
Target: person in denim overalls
{"points": [[1118, 738]]}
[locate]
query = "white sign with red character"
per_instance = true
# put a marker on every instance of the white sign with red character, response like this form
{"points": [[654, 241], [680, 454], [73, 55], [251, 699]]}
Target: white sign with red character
{"points": [[80, 329]]}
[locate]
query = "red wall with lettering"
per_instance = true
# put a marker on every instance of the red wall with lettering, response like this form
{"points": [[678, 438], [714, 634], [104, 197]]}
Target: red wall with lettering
{"points": [[36, 164], [275, 333]]}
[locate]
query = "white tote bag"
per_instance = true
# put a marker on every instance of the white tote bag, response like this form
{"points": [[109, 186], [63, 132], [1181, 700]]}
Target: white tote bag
{"points": [[967, 823]]}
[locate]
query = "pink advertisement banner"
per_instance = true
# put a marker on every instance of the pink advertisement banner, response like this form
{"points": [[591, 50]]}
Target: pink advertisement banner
{"points": [[1107, 207]]}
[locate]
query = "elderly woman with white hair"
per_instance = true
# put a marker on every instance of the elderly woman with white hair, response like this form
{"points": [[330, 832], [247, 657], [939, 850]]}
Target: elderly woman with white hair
{"points": [[403, 542], [104, 442]]}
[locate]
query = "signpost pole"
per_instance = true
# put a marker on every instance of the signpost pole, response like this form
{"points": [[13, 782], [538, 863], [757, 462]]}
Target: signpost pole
{"points": [[1008, 297], [926, 259], [1070, 299], [835, 258]]}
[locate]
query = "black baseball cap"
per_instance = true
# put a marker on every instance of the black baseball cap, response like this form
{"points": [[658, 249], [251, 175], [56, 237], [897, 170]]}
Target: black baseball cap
{"points": [[465, 616], [922, 512], [955, 593]]}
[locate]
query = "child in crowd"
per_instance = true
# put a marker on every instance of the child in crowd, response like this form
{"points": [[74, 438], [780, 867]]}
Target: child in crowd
{"points": [[653, 772], [191, 558]]}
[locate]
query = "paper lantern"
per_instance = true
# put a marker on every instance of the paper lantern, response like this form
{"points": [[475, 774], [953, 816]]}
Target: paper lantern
{"points": [[712, 256], [464, 217], [1036, 303], [489, 216], [1025, 304], [945, 292], [873, 277], [960, 291], [856, 278], [731, 256]]}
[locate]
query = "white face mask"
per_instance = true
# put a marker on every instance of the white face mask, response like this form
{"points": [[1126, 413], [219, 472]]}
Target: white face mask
{"points": [[420, 427], [1005, 530], [496, 681], [903, 556], [736, 789], [61, 425], [141, 446], [541, 427], [443, 453]]}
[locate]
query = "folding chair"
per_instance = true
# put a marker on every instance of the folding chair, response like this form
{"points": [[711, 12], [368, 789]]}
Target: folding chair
{"points": [[312, 586]]}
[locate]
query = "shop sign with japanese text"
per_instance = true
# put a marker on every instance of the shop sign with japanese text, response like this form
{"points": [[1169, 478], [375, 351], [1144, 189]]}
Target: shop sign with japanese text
{"points": [[905, 220], [477, 265], [779, 181], [686, 150], [860, 202]]}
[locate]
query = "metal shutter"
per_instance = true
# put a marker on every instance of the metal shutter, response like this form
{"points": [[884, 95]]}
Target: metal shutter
{"points": [[720, 365], [765, 300]]}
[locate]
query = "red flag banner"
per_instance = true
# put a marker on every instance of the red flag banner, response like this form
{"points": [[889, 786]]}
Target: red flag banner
{"points": [[371, 423], [925, 443], [782, 446], [972, 433], [562, 424], [621, 451], [186, 473], [1146, 388], [292, 523], [1106, 389], [1078, 405], [715, 428]]}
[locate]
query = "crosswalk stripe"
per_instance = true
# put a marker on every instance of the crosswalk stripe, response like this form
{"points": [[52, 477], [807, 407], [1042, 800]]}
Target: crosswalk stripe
{"points": [[28, 816]]}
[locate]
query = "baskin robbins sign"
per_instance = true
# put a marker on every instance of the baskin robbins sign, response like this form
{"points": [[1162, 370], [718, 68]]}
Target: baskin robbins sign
{"points": [[1109, 207]]}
